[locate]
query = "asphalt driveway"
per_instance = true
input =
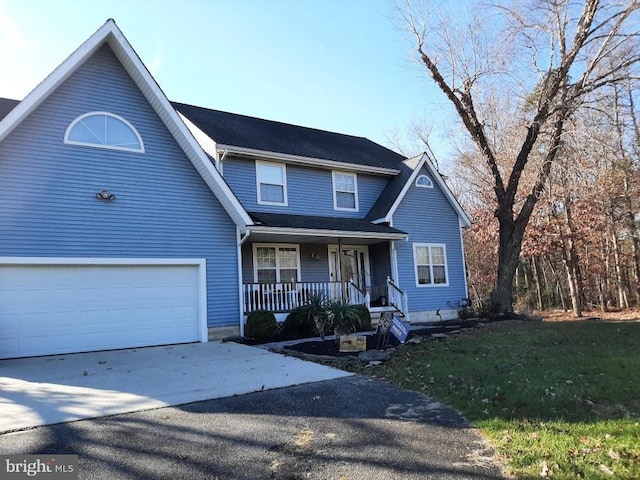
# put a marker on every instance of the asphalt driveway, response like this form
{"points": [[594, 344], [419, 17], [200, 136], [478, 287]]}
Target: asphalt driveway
{"points": [[349, 428], [60, 388]]}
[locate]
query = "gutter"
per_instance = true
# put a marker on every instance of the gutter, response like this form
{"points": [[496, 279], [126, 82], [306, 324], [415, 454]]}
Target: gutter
{"points": [[329, 233], [243, 239], [219, 161], [301, 160]]}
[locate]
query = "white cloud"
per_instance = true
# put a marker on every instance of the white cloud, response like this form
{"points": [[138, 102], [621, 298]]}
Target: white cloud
{"points": [[155, 65], [11, 35], [15, 51]]}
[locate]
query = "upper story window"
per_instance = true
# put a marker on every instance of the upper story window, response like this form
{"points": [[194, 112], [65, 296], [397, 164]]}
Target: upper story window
{"points": [[345, 191], [271, 179], [104, 130], [431, 264], [424, 181]]}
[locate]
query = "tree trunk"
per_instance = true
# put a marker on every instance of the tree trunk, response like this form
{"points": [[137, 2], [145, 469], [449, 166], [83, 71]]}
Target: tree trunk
{"points": [[635, 244], [536, 278], [511, 236], [601, 298], [618, 268], [607, 273], [572, 263], [558, 285]]}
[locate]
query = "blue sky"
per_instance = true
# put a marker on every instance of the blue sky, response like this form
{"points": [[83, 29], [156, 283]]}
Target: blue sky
{"points": [[339, 65]]}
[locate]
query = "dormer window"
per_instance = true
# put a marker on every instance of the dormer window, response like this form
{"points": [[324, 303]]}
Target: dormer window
{"points": [[104, 130], [424, 182], [271, 179], [345, 191]]}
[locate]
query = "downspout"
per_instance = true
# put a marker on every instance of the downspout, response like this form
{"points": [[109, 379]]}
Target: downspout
{"points": [[241, 296], [219, 162]]}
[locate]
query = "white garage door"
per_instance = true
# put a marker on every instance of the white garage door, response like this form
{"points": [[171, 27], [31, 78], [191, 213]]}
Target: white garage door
{"points": [[49, 309]]}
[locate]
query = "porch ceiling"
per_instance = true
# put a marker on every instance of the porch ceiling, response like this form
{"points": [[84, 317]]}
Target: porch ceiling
{"points": [[274, 227]]}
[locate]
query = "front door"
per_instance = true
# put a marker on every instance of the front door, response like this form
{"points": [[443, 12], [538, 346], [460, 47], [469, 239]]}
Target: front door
{"points": [[352, 265]]}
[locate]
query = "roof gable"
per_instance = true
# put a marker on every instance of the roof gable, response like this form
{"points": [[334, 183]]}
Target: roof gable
{"points": [[397, 188], [111, 35]]}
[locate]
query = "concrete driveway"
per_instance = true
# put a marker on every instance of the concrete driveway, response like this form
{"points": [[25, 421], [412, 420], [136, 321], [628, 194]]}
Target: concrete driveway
{"points": [[47, 390]]}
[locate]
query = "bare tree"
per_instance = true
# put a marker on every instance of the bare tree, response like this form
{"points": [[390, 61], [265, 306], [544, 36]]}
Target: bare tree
{"points": [[540, 57]]}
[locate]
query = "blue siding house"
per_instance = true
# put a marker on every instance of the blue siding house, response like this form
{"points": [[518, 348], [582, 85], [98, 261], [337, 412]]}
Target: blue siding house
{"points": [[128, 220]]}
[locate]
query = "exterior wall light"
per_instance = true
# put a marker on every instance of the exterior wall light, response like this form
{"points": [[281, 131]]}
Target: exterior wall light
{"points": [[105, 195]]}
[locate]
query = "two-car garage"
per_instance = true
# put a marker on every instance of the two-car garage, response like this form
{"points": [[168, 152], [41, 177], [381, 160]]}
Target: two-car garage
{"points": [[50, 306]]}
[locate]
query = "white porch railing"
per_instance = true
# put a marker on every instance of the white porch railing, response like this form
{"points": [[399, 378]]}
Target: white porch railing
{"points": [[397, 297], [284, 297]]}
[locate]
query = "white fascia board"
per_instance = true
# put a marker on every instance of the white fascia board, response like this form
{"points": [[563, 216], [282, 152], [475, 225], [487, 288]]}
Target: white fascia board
{"points": [[300, 160], [328, 233], [54, 79], [110, 34], [158, 100], [464, 219], [421, 160], [206, 142]]}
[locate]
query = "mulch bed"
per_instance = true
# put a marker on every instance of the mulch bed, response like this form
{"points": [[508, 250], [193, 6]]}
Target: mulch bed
{"points": [[330, 347]]}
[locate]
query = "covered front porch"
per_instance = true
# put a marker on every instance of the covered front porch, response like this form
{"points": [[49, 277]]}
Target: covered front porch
{"points": [[282, 268]]}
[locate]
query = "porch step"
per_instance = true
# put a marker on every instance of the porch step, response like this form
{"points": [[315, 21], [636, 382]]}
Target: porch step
{"points": [[377, 312]]}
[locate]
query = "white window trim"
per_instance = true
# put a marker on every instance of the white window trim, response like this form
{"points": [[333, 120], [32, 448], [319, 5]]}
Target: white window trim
{"points": [[424, 186], [284, 184], [355, 186], [415, 265], [97, 145], [276, 246]]}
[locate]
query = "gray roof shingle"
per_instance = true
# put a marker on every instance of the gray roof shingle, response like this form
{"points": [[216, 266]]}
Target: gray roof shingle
{"points": [[6, 105], [310, 222], [392, 190], [271, 136]]}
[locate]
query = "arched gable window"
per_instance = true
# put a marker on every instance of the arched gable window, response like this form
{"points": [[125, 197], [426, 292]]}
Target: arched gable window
{"points": [[424, 181], [104, 130]]}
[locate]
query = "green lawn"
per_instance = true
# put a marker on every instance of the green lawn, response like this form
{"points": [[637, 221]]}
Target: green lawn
{"points": [[555, 399]]}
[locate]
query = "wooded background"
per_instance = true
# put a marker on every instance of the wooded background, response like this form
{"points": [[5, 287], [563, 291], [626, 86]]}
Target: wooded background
{"points": [[545, 94]]}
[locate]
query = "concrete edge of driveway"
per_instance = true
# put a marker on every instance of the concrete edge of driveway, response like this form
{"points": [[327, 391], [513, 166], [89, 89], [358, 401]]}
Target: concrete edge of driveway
{"points": [[62, 388]]}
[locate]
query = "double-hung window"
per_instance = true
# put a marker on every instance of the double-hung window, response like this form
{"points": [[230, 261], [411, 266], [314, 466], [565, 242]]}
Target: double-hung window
{"points": [[430, 262], [271, 179], [345, 191], [276, 263]]}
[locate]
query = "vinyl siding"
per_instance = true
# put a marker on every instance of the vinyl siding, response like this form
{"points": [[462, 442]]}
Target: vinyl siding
{"points": [[429, 218], [163, 207], [309, 190]]}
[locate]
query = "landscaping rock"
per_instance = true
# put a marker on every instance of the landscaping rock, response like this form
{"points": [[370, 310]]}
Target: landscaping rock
{"points": [[375, 355], [439, 335]]}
